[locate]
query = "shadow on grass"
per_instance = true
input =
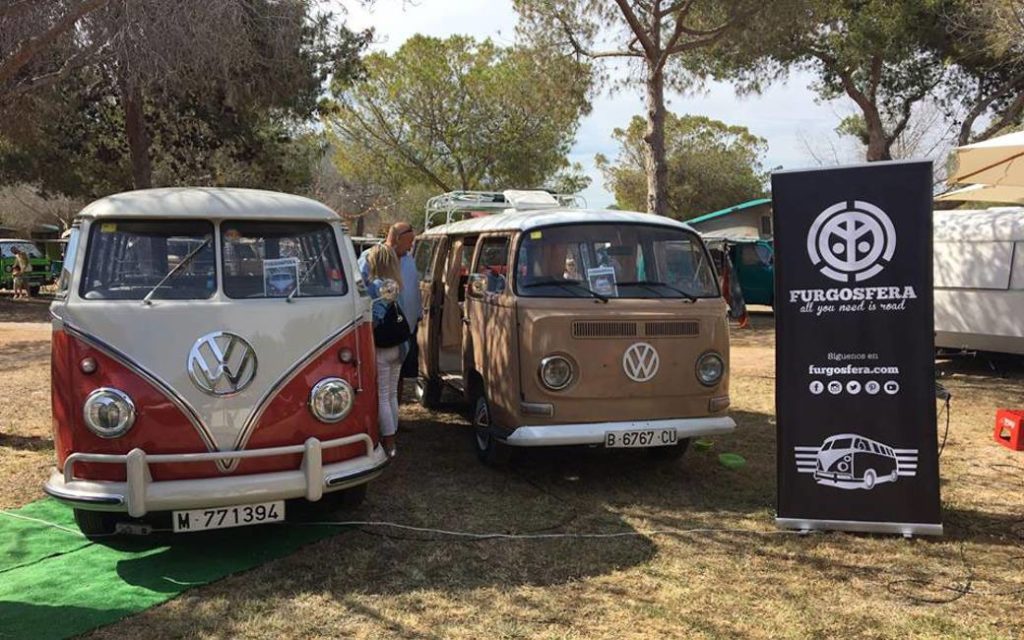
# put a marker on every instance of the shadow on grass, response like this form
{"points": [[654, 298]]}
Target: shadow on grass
{"points": [[21, 620], [25, 443]]}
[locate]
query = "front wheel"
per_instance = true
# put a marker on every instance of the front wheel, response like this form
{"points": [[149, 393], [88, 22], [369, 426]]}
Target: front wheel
{"points": [[489, 449], [673, 452], [869, 479], [96, 524]]}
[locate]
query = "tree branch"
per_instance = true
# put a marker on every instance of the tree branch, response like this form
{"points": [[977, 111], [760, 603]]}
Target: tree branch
{"points": [[638, 30]]}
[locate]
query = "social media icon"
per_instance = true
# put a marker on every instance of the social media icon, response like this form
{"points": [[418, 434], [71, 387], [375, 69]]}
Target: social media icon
{"points": [[892, 387], [835, 387], [853, 387], [872, 387], [817, 387]]}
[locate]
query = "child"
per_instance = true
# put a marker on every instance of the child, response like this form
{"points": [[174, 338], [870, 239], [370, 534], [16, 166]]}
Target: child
{"points": [[19, 283]]}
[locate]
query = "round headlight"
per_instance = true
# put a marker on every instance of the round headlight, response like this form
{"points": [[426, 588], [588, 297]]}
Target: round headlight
{"points": [[331, 399], [556, 372], [710, 368], [109, 413]]}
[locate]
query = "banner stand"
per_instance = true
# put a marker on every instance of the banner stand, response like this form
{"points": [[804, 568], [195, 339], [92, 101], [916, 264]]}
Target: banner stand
{"points": [[855, 350]]}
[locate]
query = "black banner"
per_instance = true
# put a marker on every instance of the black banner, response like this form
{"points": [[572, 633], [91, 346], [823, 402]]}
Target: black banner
{"points": [[855, 349]]}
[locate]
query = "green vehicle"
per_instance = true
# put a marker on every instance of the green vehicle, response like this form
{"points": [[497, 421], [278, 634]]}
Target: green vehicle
{"points": [[41, 273], [753, 262]]}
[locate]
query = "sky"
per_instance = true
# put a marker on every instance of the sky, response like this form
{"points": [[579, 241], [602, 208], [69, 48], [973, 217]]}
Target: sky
{"points": [[788, 115]]}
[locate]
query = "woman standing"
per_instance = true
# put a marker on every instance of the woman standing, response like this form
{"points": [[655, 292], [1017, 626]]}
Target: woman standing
{"points": [[390, 335]]}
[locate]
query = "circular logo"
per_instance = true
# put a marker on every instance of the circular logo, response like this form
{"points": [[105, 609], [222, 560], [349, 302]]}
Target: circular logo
{"points": [[835, 387], [891, 387], [853, 387], [851, 240], [817, 387], [640, 362], [221, 363], [872, 387]]}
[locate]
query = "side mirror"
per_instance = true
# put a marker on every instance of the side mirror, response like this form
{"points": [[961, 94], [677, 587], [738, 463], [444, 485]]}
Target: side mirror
{"points": [[477, 285]]}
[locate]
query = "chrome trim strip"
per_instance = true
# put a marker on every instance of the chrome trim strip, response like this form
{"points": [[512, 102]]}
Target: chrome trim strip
{"points": [[899, 528], [271, 393], [153, 379], [83, 498]]}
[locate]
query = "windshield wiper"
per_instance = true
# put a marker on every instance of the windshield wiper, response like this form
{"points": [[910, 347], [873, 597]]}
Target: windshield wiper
{"points": [[650, 284], [565, 284], [177, 267]]}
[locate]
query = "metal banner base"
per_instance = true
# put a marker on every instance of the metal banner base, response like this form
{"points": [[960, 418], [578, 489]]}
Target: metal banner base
{"points": [[898, 528]]}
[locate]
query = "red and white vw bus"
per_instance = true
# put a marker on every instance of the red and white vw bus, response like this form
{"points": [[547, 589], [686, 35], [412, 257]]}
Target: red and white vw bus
{"points": [[212, 358]]}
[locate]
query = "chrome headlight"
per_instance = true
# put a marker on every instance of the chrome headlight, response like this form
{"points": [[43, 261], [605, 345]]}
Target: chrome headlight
{"points": [[331, 400], [556, 372], [710, 368], [109, 413]]}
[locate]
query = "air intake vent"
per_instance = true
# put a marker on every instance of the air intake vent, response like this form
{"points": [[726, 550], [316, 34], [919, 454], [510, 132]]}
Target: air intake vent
{"points": [[672, 329], [601, 329]]}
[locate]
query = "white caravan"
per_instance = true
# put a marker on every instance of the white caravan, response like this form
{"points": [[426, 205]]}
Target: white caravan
{"points": [[979, 280]]}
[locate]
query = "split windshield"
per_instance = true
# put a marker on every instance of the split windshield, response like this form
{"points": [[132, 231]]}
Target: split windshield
{"points": [[614, 261]]}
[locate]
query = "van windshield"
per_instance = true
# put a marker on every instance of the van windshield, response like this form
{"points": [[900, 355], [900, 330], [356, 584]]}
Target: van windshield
{"points": [[615, 261], [125, 259], [281, 259], [29, 249]]}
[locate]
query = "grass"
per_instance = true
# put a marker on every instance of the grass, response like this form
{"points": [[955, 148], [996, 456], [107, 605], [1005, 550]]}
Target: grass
{"points": [[743, 579]]}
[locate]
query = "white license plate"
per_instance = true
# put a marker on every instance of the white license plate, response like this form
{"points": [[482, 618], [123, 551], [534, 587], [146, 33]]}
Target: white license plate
{"points": [[641, 438], [224, 517]]}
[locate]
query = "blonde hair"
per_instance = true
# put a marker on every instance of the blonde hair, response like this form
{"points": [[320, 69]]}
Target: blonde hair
{"points": [[383, 263]]}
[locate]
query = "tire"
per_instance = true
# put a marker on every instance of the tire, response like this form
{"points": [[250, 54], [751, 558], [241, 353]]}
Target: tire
{"points": [[674, 452], [96, 524], [870, 478], [428, 392], [34, 290], [489, 450]]}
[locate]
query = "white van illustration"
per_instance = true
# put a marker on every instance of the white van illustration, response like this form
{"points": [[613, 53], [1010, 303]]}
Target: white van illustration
{"points": [[851, 461]]}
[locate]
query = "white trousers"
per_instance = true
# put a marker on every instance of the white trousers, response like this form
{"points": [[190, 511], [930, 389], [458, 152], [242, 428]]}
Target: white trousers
{"points": [[389, 369]]}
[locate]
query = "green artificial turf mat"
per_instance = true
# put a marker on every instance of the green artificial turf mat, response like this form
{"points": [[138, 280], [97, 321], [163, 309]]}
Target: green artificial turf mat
{"points": [[54, 583]]}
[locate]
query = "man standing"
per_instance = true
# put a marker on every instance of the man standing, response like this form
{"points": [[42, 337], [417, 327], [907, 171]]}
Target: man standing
{"points": [[400, 238]]}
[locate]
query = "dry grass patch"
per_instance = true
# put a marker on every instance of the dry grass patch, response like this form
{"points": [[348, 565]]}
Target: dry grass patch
{"points": [[744, 579]]}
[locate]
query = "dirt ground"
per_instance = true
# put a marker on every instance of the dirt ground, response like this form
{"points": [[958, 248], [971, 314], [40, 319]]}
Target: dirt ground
{"points": [[719, 568]]}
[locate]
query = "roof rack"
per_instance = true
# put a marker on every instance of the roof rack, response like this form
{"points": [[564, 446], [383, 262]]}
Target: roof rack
{"points": [[458, 205]]}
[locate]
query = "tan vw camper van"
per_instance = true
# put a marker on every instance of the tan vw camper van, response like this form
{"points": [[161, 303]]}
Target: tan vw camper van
{"points": [[565, 326]]}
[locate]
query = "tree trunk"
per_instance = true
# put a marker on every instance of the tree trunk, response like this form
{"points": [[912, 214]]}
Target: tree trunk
{"points": [[879, 144], [138, 137], [657, 165]]}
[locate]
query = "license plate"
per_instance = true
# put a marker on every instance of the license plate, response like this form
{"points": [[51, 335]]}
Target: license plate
{"points": [[224, 517], [641, 438]]}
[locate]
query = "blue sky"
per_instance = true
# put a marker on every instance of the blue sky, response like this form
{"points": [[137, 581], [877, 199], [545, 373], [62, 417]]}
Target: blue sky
{"points": [[787, 115]]}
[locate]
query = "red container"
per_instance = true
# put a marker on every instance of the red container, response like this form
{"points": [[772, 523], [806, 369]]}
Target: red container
{"points": [[1010, 429]]}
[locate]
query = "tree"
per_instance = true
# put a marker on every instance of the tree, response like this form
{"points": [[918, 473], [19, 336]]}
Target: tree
{"points": [[874, 52], [653, 34], [176, 76], [711, 165], [458, 114]]}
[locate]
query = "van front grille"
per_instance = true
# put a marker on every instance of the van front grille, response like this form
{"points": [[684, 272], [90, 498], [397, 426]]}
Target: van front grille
{"points": [[603, 329], [672, 329]]}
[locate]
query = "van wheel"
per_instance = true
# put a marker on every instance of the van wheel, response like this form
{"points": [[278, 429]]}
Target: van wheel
{"points": [[869, 479], [96, 524], [428, 392], [489, 449], [674, 452], [34, 290]]}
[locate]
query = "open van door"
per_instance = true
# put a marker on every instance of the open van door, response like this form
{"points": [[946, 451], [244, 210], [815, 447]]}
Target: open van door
{"points": [[429, 254]]}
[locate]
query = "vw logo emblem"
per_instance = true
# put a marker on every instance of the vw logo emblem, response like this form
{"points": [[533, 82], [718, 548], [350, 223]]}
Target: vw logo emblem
{"points": [[640, 362], [221, 363], [851, 239]]}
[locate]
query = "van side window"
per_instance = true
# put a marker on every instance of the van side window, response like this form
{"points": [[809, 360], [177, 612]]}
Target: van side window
{"points": [[1017, 278], [493, 263], [424, 253]]}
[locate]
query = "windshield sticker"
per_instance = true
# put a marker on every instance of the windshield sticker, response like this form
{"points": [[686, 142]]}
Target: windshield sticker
{"points": [[602, 281], [280, 277], [536, 235], [108, 227]]}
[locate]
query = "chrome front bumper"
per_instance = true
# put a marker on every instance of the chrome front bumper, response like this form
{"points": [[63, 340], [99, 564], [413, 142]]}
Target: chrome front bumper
{"points": [[140, 494], [594, 432]]}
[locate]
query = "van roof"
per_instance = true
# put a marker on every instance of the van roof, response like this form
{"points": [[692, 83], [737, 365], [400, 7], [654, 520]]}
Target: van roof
{"points": [[207, 203], [514, 220], [984, 225]]}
